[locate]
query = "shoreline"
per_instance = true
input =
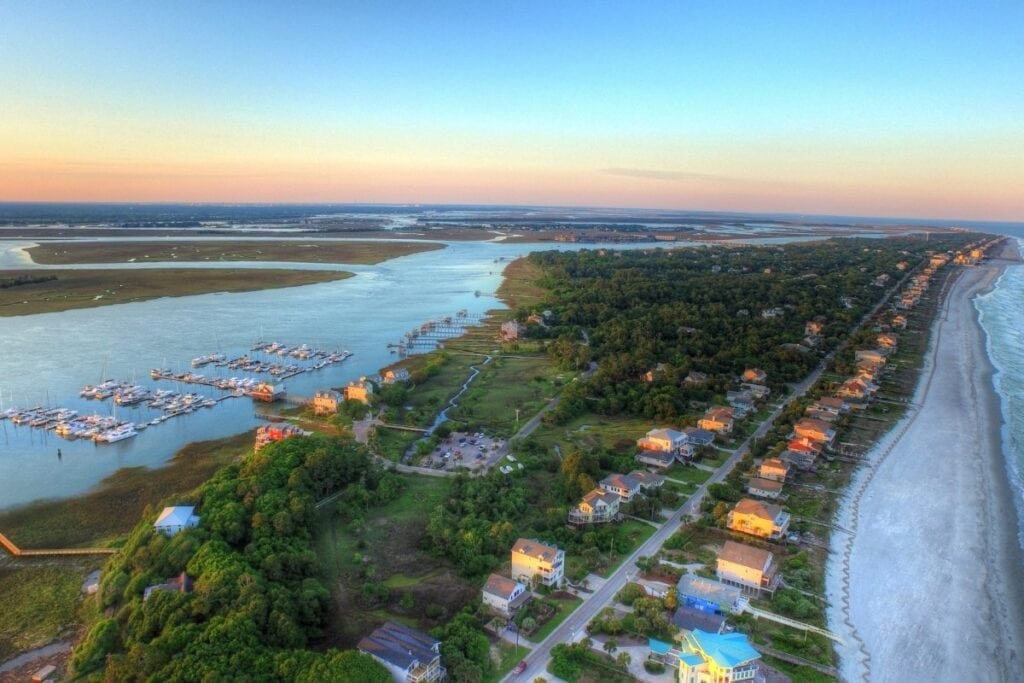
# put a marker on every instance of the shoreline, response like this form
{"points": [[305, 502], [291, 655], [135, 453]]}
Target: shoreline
{"points": [[930, 584]]}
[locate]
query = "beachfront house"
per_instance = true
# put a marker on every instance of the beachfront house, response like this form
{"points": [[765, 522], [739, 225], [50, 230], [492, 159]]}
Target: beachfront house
{"points": [[503, 595], [750, 569], [663, 440], [830, 404], [718, 419], [815, 430], [597, 507], [687, 618], [361, 391], [757, 518], [172, 520], [870, 355], [708, 595], [534, 560], [801, 459], [717, 658], [326, 402], [410, 656], [774, 469], [764, 488]]}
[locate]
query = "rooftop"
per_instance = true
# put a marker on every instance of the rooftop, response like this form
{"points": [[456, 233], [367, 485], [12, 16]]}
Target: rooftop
{"points": [[500, 586], [748, 506], [745, 555], [175, 516], [535, 548], [728, 650], [400, 645]]}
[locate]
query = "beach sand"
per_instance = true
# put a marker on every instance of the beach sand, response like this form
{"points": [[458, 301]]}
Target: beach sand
{"points": [[930, 587]]}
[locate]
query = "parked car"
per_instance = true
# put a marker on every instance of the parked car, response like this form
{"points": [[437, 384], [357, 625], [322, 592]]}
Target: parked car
{"points": [[520, 668]]}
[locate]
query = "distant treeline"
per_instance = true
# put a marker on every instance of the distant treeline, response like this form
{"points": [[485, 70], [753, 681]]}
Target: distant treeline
{"points": [[7, 283]]}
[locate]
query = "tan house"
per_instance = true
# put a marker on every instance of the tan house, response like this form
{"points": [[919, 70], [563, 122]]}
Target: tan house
{"points": [[830, 404], [718, 419], [764, 488], [870, 355], [622, 485], [774, 469], [755, 375], [887, 341], [503, 595], [597, 507], [359, 391], [395, 375], [511, 331], [759, 519], [815, 430], [326, 402], [664, 440], [749, 568], [532, 559]]}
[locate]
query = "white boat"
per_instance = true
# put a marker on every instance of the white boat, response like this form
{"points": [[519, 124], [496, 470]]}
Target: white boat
{"points": [[118, 433]]}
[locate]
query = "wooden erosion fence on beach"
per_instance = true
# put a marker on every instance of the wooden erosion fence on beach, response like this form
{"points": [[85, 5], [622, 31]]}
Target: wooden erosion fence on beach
{"points": [[15, 551]]}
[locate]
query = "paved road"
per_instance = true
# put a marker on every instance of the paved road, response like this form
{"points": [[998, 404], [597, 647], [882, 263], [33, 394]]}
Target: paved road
{"points": [[575, 625]]}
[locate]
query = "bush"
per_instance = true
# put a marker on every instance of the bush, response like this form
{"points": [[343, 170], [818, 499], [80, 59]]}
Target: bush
{"points": [[654, 667]]}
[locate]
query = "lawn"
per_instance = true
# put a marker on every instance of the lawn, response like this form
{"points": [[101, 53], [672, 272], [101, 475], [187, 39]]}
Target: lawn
{"points": [[508, 655], [90, 288], [565, 608], [691, 475], [41, 601]]}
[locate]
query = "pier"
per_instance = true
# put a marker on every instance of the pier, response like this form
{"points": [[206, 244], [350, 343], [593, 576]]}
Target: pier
{"points": [[15, 551]]}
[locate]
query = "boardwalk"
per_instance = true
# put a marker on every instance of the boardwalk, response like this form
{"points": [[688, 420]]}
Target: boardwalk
{"points": [[15, 551]]}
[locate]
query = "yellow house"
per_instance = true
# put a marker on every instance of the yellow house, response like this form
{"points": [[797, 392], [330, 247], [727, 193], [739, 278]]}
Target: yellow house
{"points": [[815, 430], [774, 469], [747, 567], [716, 658], [758, 519], [359, 391], [326, 402], [597, 507], [717, 420], [534, 559]]}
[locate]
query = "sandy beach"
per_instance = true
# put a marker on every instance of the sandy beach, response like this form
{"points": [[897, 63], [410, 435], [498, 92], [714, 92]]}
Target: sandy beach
{"points": [[930, 584]]}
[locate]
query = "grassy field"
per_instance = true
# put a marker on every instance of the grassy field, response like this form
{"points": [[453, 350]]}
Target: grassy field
{"points": [[392, 443], [91, 288], [618, 433], [41, 601], [384, 549], [505, 385], [505, 657], [113, 508], [307, 251]]}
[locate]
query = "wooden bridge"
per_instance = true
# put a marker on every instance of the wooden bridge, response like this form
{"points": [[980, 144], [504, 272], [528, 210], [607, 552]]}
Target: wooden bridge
{"points": [[15, 551]]}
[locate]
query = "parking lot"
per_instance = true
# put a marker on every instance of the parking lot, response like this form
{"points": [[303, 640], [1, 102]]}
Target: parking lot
{"points": [[474, 451]]}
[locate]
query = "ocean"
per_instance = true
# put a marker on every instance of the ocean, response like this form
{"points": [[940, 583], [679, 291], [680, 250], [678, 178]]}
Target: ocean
{"points": [[1002, 317]]}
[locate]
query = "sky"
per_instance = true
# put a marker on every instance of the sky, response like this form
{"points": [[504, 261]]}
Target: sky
{"points": [[852, 108]]}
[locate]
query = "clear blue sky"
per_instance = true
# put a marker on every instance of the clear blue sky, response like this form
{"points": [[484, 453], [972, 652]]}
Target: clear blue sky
{"points": [[690, 94]]}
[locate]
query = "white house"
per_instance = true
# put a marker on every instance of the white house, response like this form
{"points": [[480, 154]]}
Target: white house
{"points": [[175, 519], [503, 595]]}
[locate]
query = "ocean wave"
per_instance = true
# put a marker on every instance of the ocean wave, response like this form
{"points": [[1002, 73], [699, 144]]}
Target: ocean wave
{"points": [[1001, 314]]}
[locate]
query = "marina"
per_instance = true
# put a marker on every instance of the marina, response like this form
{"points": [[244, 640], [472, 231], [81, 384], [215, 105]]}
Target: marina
{"points": [[67, 423]]}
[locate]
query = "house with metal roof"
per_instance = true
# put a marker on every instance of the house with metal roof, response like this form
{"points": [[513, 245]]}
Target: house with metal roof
{"points": [[722, 657], [410, 656], [174, 519], [707, 594]]}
